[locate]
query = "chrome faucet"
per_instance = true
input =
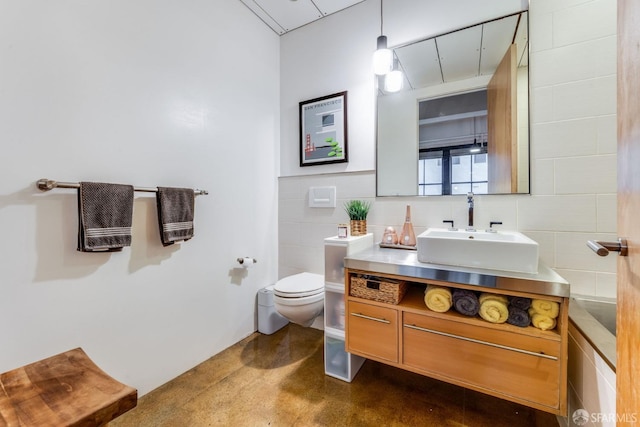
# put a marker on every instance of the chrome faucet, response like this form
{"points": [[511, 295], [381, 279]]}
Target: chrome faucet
{"points": [[470, 202]]}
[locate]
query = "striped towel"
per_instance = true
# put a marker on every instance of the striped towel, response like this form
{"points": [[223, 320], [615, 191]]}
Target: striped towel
{"points": [[105, 214], [175, 214]]}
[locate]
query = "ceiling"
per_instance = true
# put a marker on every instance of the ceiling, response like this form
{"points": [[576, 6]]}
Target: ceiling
{"points": [[283, 16], [471, 52], [454, 55]]}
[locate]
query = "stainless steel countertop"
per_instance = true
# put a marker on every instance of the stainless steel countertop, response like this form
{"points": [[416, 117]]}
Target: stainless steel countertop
{"points": [[405, 263]]}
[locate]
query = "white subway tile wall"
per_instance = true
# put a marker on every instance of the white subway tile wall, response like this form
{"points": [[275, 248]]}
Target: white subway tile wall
{"points": [[607, 134], [606, 285], [571, 179], [567, 138], [573, 165], [607, 211]]}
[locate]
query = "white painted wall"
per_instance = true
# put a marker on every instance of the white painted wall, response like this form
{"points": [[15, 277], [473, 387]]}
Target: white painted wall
{"points": [[145, 93], [322, 58], [573, 132]]}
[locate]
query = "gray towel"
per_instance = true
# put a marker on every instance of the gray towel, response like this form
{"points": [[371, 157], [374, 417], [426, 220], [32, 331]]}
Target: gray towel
{"points": [[523, 303], [105, 214], [465, 302], [518, 317], [175, 214]]}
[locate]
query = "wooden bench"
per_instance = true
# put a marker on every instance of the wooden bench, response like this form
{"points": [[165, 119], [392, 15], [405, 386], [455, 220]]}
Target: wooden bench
{"points": [[67, 389]]}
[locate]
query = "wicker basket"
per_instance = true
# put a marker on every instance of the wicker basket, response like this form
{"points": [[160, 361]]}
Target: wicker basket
{"points": [[377, 289], [358, 227]]}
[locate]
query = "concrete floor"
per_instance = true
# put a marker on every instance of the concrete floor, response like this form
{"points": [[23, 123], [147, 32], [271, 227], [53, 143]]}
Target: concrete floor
{"points": [[279, 380]]}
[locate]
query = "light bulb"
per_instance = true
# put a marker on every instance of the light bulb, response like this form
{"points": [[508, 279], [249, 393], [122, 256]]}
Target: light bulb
{"points": [[393, 81], [476, 147], [382, 58]]}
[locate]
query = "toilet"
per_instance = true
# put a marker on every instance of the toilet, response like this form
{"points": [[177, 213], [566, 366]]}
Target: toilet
{"points": [[300, 298]]}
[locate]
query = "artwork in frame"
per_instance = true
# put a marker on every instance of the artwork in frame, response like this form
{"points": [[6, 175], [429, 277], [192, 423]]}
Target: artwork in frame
{"points": [[323, 130]]}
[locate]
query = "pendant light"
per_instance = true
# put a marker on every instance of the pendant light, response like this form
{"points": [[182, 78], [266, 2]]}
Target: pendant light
{"points": [[394, 80], [382, 57], [476, 148]]}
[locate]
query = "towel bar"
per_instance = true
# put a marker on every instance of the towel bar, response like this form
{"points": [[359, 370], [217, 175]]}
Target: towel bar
{"points": [[49, 184]]}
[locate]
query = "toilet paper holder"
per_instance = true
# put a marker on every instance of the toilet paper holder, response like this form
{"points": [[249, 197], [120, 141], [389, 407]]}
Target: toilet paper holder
{"points": [[247, 261]]}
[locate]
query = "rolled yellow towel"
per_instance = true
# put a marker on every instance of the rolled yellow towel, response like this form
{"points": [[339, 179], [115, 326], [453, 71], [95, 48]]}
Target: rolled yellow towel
{"points": [[486, 295], [494, 311], [542, 321], [438, 298], [548, 308]]}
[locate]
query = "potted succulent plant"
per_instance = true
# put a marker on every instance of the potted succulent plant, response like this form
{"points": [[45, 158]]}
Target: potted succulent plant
{"points": [[357, 211]]}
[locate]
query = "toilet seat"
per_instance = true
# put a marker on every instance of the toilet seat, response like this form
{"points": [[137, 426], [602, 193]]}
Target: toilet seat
{"points": [[300, 286], [299, 301]]}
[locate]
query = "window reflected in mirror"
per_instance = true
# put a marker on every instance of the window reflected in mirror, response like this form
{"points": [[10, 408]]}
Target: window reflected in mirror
{"points": [[452, 145]]}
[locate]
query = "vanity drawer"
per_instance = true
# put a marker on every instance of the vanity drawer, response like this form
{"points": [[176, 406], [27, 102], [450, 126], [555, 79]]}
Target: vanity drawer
{"points": [[510, 336], [372, 331], [495, 367]]}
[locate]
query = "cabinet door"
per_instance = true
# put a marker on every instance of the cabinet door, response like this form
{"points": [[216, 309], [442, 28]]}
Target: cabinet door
{"points": [[496, 368], [372, 331]]}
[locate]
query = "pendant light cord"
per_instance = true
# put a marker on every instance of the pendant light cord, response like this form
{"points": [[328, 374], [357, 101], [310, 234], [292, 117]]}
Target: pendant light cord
{"points": [[381, 17]]}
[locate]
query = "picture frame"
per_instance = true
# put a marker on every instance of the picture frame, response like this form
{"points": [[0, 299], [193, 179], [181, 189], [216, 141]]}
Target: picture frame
{"points": [[323, 130]]}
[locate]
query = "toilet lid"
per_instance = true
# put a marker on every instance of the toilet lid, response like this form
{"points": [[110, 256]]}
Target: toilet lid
{"points": [[299, 285]]}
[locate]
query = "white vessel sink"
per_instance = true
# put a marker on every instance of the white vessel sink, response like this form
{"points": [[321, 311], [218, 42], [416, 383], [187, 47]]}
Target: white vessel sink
{"points": [[503, 250]]}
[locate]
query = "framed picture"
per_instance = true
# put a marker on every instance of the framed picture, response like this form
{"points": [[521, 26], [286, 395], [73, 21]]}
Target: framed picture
{"points": [[323, 130]]}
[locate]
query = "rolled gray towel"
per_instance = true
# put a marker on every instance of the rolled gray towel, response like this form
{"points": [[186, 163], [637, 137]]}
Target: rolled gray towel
{"points": [[518, 317], [523, 303], [465, 302]]}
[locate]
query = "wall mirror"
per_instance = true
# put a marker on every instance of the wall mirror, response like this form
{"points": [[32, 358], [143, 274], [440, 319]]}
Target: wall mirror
{"points": [[461, 121]]}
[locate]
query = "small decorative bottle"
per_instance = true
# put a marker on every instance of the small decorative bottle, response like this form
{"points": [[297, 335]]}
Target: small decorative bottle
{"points": [[407, 235]]}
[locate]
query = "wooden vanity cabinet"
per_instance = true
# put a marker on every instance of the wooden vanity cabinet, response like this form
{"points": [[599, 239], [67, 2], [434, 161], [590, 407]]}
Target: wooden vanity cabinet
{"points": [[524, 365]]}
